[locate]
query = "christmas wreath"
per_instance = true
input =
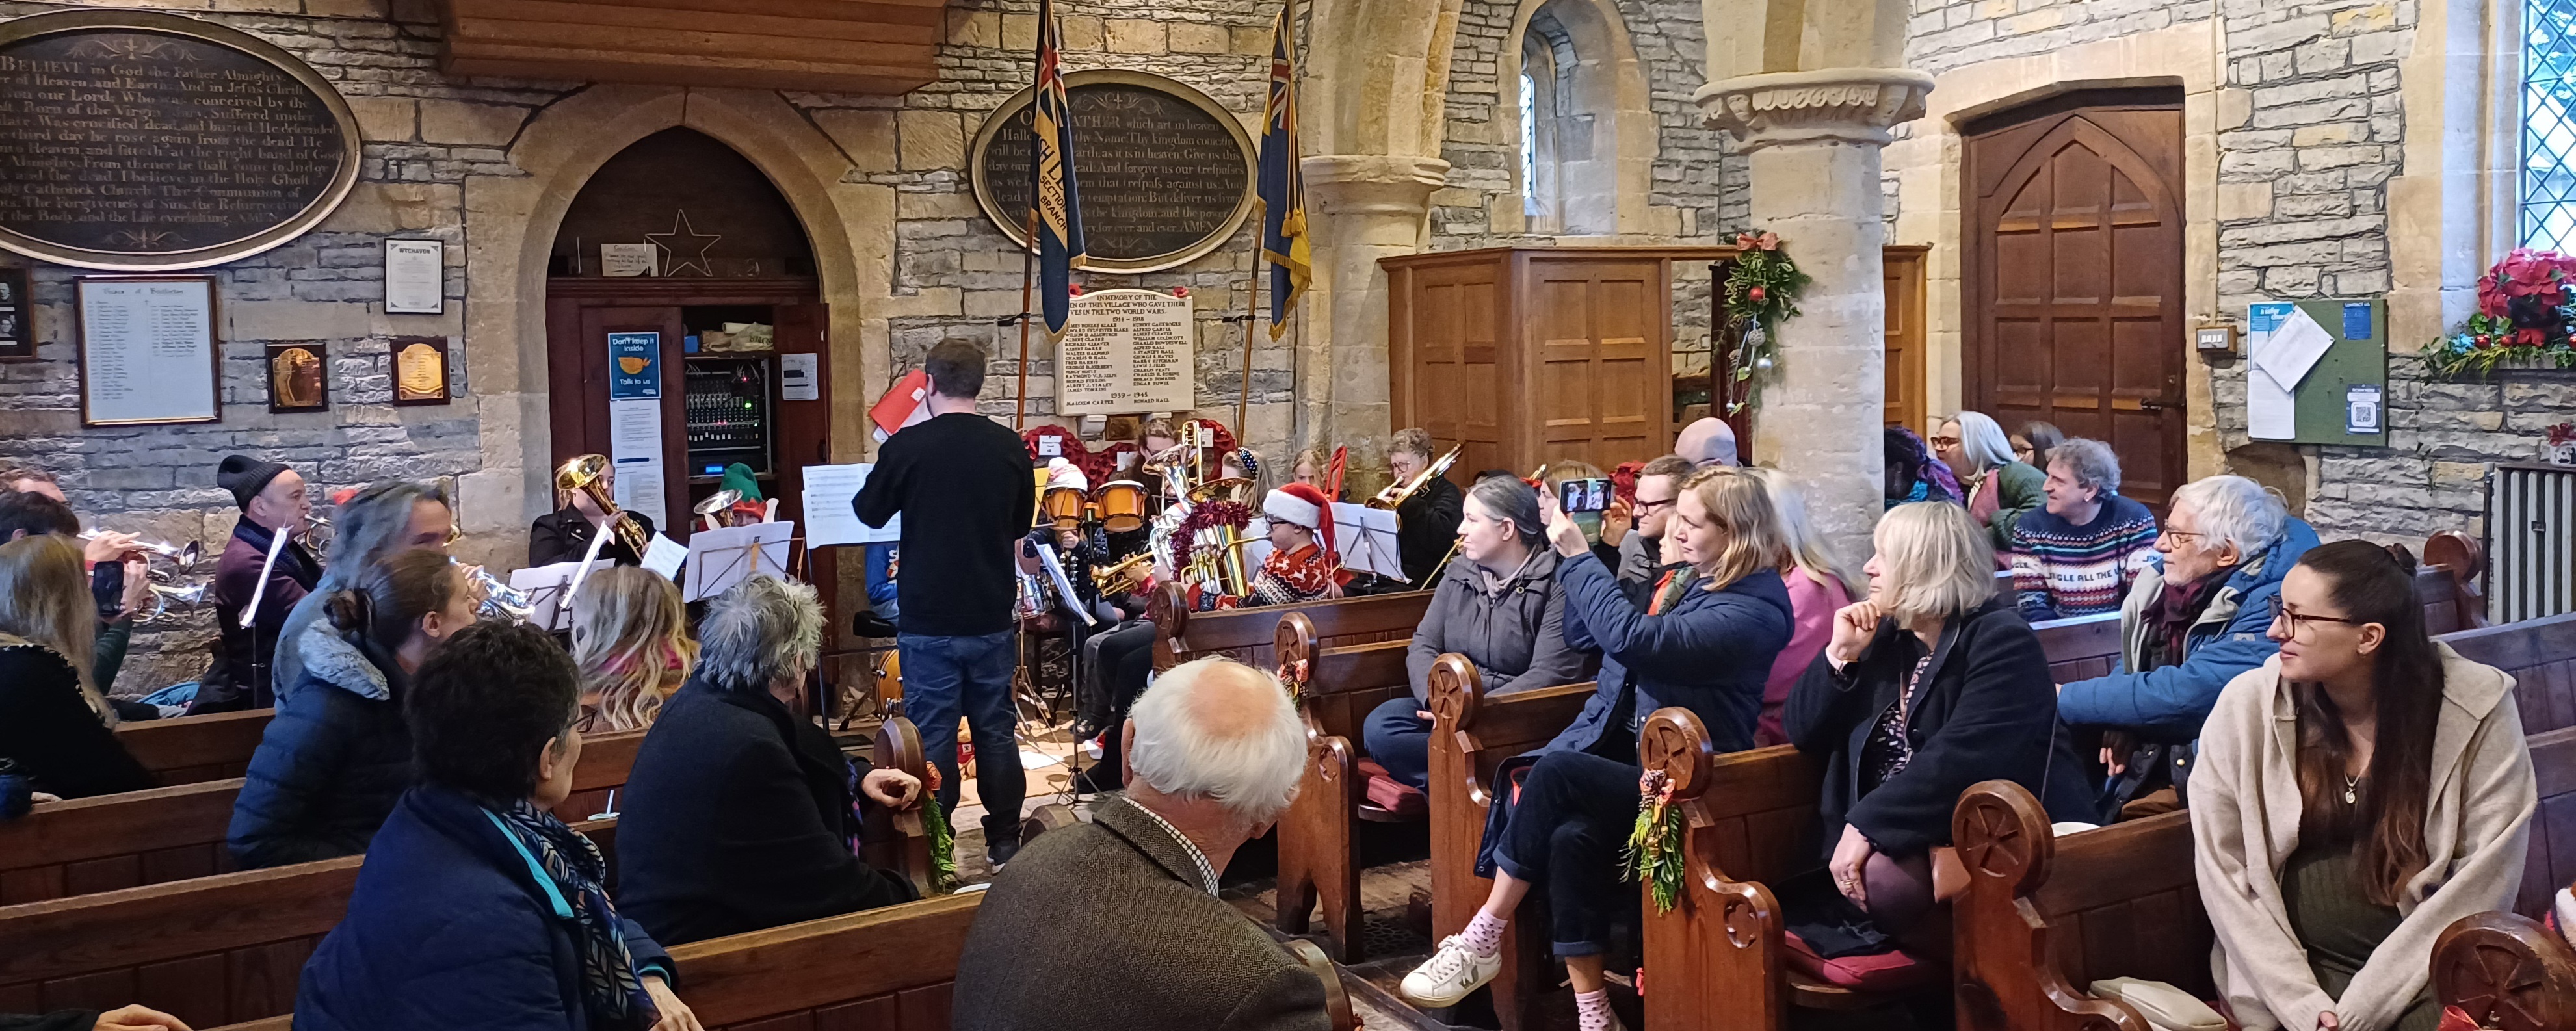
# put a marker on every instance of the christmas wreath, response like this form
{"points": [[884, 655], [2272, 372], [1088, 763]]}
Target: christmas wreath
{"points": [[2526, 305], [1654, 852], [1761, 290]]}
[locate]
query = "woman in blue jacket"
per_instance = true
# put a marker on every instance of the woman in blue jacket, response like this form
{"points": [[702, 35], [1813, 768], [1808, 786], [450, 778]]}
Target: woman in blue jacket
{"points": [[477, 907], [1704, 641], [332, 762]]}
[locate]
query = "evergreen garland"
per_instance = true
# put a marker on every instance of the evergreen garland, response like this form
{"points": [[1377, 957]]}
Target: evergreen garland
{"points": [[1654, 853], [1761, 291]]}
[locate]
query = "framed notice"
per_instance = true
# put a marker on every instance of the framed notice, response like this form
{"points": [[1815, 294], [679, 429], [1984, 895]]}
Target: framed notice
{"points": [[298, 379], [1126, 351], [147, 350], [420, 370], [17, 321], [415, 277]]}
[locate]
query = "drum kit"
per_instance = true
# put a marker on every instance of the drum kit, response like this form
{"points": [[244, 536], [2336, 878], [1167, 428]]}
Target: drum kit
{"points": [[1118, 506]]}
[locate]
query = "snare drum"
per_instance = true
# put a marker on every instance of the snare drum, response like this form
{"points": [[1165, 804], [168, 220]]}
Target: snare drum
{"points": [[1122, 506], [1064, 506]]}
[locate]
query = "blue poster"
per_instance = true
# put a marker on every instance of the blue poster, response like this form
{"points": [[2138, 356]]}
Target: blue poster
{"points": [[635, 365], [2357, 320]]}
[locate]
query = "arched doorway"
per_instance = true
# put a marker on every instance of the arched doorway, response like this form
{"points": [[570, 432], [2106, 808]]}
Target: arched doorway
{"points": [[724, 331], [2073, 274]]}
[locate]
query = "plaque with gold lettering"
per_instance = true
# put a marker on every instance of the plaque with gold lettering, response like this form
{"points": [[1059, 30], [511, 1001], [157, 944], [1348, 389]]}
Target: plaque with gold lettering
{"points": [[1166, 172], [135, 141], [420, 370]]}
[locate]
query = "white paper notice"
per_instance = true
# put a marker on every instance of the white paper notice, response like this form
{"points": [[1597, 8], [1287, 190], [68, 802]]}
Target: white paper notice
{"points": [[1126, 351], [2271, 413], [2290, 350], [1064, 595], [629, 259], [665, 556], [415, 277], [799, 376], [829, 519], [719, 559], [545, 587], [635, 444], [149, 347]]}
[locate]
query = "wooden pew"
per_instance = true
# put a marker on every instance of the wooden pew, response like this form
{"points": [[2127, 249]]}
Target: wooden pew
{"points": [[2506, 972], [1472, 736], [195, 749], [1336, 690], [2080, 648], [86, 845], [1247, 635], [229, 948], [2541, 655]]}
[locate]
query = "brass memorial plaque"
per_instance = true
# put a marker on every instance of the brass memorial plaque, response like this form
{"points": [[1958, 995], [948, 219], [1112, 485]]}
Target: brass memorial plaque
{"points": [[1165, 172], [136, 141]]}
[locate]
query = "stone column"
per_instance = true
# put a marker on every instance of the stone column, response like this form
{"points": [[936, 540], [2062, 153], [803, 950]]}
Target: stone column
{"points": [[1812, 141], [1359, 208]]}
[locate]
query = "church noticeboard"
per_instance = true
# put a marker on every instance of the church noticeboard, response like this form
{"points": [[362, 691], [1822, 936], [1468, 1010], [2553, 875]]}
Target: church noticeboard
{"points": [[1126, 351], [134, 141], [1165, 172]]}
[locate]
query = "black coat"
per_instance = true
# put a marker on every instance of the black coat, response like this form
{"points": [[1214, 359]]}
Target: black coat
{"points": [[49, 731], [1986, 710], [564, 536], [241, 678], [737, 817], [331, 763], [1425, 527]]}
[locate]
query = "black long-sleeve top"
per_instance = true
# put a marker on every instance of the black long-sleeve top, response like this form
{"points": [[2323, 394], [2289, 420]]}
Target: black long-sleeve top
{"points": [[962, 484]]}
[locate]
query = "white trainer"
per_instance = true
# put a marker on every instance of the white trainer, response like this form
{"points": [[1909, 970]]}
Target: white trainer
{"points": [[1453, 971]]}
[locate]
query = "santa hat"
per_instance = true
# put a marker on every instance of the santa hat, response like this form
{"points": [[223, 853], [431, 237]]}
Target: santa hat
{"points": [[1302, 505]]}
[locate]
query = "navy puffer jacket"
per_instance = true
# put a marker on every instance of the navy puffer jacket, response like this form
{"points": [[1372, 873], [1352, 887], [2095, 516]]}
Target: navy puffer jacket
{"points": [[332, 762]]}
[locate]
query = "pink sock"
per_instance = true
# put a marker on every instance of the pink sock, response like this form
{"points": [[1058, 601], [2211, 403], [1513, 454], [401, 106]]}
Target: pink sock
{"points": [[1592, 1010], [1484, 934]]}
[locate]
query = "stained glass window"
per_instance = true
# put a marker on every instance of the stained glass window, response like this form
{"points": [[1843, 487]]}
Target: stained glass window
{"points": [[2549, 125]]}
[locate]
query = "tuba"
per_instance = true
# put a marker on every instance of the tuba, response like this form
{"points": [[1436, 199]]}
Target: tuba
{"points": [[583, 474]]}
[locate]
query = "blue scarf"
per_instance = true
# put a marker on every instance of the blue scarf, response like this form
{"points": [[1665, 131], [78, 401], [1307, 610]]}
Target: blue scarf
{"points": [[572, 871]]}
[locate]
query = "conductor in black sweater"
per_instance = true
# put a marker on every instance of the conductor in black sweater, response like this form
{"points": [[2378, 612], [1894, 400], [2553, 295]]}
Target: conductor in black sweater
{"points": [[964, 487]]}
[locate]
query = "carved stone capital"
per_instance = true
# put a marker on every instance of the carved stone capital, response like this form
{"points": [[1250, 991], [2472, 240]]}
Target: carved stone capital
{"points": [[1839, 105], [1350, 184]]}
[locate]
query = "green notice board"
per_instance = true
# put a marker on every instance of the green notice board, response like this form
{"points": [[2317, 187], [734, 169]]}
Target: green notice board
{"points": [[2337, 350]]}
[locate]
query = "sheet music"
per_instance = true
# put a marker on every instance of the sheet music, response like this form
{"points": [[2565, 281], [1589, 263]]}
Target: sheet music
{"points": [[665, 556], [1366, 538], [547, 587], [719, 559], [1063, 587], [829, 517]]}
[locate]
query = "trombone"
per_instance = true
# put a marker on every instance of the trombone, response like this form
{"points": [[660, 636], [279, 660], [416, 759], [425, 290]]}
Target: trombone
{"points": [[1395, 495]]}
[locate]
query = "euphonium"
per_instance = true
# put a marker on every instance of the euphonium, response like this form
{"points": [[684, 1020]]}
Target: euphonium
{"points": [[496, 600], [584, 474]]}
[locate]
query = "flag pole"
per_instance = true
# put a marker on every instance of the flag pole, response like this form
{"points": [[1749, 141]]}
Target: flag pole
{"points": [[1028, 259], [1251, 323]]}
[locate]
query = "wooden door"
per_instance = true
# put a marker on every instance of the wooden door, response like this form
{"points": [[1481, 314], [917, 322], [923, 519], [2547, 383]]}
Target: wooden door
{"points": [[2074, 276], [1601, 370], [1450, 379], [1905, 338], [804, 435], [590, 397]]}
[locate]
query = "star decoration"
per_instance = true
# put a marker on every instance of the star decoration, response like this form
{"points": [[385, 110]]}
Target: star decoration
{"points": [[684, 238]]}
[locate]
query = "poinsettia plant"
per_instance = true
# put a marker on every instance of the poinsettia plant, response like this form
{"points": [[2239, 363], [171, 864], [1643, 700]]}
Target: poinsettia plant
{"points": [[1761, 290], [2526, 308]]}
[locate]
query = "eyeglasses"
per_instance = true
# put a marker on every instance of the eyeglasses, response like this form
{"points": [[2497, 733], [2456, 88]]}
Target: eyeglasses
{"points": [[1944, 442], [2300, 621], [1644, 506], [2184, 537]]}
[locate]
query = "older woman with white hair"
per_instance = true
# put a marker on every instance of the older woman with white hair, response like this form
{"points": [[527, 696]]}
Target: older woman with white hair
{"points": [[2078, 555], [2189, 625], [1930, 684], [2001, 487], [740, 813], [1115, 923]]}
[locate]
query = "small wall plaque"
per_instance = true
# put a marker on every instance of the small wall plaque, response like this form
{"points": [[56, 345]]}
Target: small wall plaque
{"points": [[420, 370], [299, 377]]}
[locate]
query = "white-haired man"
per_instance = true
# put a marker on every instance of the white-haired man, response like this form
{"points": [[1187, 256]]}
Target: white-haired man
{"points": [[1115, 924], [2190, 624]]}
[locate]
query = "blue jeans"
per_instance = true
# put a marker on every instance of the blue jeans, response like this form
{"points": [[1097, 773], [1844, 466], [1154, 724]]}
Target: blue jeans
{"points": [[946, 676], [1400, 740]]}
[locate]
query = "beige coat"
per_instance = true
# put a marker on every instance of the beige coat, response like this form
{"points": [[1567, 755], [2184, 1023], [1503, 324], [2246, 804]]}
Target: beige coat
{"points": [[2245, 808]]}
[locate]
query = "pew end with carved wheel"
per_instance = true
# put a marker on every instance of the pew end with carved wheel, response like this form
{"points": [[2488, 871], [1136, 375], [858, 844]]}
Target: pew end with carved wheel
{"points": [[2506, 971]]}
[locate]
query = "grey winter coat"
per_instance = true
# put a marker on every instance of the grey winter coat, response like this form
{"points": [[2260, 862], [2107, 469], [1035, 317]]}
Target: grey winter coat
{"points": [[1513, 630]]}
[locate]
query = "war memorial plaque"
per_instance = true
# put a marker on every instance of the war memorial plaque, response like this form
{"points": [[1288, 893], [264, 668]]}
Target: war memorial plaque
{"points": [[135, 141], [1165, 172]]}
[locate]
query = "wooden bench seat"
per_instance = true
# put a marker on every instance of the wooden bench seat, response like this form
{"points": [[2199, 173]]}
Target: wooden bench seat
{"points": [[1249, 635], [87, 845], [1318, 858], [229, 948], [195, 749]]}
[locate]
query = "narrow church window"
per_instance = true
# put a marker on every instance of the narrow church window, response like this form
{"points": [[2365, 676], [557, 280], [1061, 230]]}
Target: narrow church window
{"points": [[1529, 144], [2549, 125]]}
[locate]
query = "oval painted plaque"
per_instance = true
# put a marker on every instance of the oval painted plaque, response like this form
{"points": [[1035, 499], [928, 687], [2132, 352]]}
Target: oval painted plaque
{"points": [[1165, 172], [136, 141]]}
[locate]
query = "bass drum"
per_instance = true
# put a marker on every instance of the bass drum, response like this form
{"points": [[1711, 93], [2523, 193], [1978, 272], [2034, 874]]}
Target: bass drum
{"points": [[1122, 506]]}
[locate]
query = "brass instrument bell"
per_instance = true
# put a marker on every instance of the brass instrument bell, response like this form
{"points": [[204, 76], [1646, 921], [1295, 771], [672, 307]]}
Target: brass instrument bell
{"points": [[584, 474]]}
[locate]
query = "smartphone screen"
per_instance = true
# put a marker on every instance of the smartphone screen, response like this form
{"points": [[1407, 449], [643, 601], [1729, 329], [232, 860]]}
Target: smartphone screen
{"points": [[1583, 495]]}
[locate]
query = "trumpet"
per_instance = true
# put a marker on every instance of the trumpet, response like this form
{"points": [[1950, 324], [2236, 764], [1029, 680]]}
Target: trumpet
{"points": [[1127, 575], [1395, 495], [584, 474], [317, 535], [495, 599], [164, 596], [185, 557]]}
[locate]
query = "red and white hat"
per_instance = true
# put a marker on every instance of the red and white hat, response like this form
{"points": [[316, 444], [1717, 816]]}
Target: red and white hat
{"points": [[1302, 505]]}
